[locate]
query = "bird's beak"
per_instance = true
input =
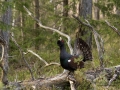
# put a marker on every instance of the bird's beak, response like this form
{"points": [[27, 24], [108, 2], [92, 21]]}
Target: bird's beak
{"points": [[60, 39]]}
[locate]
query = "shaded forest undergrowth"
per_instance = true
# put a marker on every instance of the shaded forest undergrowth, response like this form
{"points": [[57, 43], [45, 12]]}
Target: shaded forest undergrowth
{"points": [[19, 72]]}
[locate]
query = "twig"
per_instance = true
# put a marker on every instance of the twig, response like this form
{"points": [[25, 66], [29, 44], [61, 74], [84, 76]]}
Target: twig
{"points": [[100, 47], [3, 43], [3, 49], [113, 28], [38, 56], [52, 63], [44, 61], [21, 52]]}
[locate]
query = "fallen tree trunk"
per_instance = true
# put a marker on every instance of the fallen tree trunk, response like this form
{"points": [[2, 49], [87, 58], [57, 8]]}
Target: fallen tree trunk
{"points": [[60, 81], [57, 81]]}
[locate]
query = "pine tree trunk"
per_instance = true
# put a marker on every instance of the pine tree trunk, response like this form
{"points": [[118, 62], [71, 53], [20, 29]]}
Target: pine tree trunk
{"points": [[96, 11], [85, 11], [65, 8], [6, 19], [65, 13]]}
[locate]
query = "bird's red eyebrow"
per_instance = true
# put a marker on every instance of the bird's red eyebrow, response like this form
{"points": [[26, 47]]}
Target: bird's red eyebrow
{"points": [[62, 40]]}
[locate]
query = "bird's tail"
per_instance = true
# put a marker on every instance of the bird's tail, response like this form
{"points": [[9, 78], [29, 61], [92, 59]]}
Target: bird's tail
{"points": [[81, 47]]}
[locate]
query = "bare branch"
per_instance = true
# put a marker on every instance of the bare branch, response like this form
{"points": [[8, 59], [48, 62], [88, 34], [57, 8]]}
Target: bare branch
{"points": [[52, 29], [98, 40], [114, 28], [38, 56], [44, 61], [22, 55], [3, 49], [52, 63], [3, 43], [3, 61]]}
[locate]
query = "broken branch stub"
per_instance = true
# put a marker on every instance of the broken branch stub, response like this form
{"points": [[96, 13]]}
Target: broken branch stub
{"points": [[113, 28]]}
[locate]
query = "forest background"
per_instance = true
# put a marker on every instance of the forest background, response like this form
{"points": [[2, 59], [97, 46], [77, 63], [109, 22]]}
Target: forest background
{"points": [[23, 33]]}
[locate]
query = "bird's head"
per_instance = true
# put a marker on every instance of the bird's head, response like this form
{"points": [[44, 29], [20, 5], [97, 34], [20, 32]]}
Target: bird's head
{"points": [[60, 42]]}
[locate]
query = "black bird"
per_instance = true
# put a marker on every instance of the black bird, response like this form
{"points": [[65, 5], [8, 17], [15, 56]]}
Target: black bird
{"points": [[67, 60]]}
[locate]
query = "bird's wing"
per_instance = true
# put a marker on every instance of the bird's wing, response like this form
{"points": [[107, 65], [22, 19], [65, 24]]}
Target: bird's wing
{"points": [[72, 64]]}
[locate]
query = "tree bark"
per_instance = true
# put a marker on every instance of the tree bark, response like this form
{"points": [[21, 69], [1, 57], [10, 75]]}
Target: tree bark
{"points": [[65, 13], [96, 11], [65, 8], [6, 19], [85, 11]]}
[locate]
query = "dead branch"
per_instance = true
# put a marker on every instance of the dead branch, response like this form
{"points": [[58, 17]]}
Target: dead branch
{"points": [[59, 81], [2, 42], [112, 73], [38, 56], [44, 61], [98, 40], [3, 61], [3, 49], [52, 29], [22, 55], [52, 63], [113, 28]]}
